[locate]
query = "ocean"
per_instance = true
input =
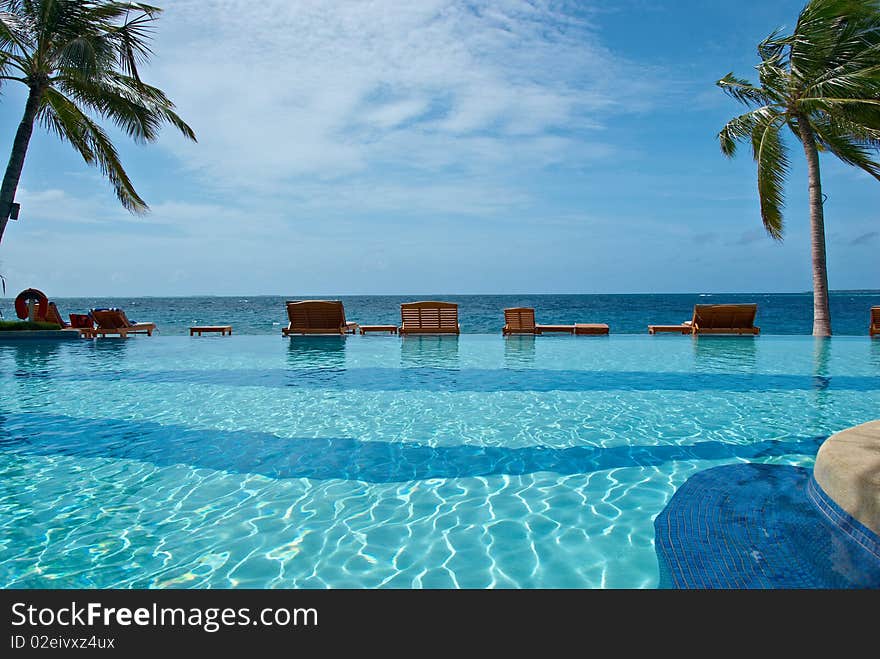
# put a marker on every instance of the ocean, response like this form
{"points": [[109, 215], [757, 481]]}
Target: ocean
{"points": [[778, 313]]}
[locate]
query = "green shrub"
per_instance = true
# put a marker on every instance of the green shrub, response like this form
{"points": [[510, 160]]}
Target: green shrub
{"points": [[26, 325]]}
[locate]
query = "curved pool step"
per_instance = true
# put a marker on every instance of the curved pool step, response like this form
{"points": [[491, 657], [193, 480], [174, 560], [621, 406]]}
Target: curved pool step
{"points": [[848, 470], [777, 526]]}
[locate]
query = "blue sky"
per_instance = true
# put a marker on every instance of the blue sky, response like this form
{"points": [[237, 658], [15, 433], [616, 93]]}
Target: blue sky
{"points": [[348, 147]]}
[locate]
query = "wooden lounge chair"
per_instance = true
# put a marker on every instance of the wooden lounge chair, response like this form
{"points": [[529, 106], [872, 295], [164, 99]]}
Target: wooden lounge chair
{"points": [[683, 328], [724, 319], [874, 329], [114, 321], [591, 329], [317, 317], [82, 321], [521, 320], [429, 318], [715, 319], [54, 316]]}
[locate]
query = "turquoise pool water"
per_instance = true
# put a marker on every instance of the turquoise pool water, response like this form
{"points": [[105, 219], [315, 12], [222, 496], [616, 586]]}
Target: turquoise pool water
{"points": [[257, 461]]}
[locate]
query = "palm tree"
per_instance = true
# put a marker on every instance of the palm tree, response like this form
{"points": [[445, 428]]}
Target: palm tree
{"points": [[823, 83], [79, 57]]}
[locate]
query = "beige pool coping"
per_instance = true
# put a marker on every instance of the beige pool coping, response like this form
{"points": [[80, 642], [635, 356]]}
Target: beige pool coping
{"points": [[848, 470]]}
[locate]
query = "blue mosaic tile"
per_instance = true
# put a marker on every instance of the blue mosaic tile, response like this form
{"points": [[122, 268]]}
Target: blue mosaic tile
{"points": [[762, 526]]}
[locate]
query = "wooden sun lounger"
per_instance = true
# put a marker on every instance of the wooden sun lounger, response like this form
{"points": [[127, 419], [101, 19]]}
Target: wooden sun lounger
{"points": [[429, 318], [874, 329], [725, 319], [591, 329], [684, 328], [715, 319], [54, 316], [317, 317], [546, 329], [114, 321], [521, 320]]}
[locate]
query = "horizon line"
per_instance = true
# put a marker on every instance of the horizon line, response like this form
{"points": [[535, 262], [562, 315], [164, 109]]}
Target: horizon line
{"points": [[428, 296]]}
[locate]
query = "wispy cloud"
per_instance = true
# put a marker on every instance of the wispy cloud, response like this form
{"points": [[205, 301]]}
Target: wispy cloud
{"points": [[705, 238], [751, 236], [865, 238], [442, 139], [286, 97]]}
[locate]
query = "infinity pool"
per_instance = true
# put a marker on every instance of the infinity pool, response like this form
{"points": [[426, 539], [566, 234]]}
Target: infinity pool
{"points": [[262, 462]]}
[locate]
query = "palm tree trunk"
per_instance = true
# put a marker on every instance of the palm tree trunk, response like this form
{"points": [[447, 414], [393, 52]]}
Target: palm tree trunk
{"points": [[19, 150], [821, 309]]}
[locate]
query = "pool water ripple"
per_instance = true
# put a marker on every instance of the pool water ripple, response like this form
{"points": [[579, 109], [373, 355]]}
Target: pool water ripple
{"points": [[381, 462]]}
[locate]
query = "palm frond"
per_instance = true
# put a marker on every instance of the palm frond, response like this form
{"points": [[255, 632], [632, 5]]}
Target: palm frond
{"points": [[115, 101], [15, 32], [61, 116], [864, 118], [84, 56], [832, 101], [771, 156], [773, 46], [832, 33], [137, 108], [775, 79], [19, 63], [130, 25], [88, 54], [740, 128], [849, 148], [742, 90], [851, 60], [856, 74], [862, 112]]}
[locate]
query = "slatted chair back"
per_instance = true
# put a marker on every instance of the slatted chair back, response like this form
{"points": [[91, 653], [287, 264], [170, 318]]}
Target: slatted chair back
{"points": [[110, 318], [519, 320], [733, 318], [429, 317], [316, 316]]}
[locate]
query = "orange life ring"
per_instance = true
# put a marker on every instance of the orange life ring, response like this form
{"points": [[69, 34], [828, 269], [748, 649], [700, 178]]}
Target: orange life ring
{"points": [[28, 294]]}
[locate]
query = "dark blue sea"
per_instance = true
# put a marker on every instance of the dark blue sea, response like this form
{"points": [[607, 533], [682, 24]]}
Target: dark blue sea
{"points": [[786, 313]]}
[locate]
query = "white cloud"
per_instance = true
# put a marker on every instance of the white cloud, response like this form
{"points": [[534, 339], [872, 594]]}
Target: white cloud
{"points": [[348, 132], [54, 203], [284, 94], [392, 115]]}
